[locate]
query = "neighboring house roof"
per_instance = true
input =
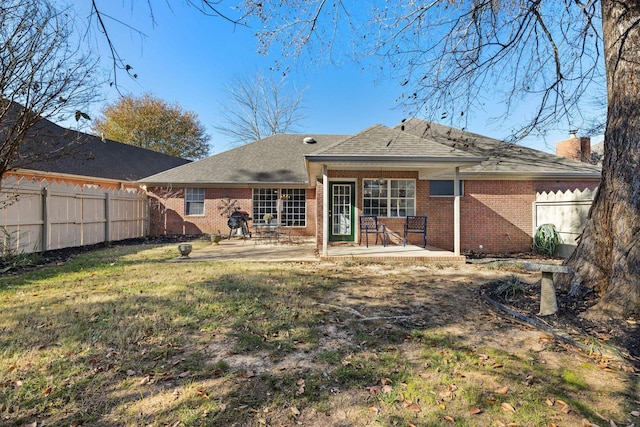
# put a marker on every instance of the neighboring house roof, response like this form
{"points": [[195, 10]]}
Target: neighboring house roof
{"points": [[277, 159], [504, 159], [53, 149]]}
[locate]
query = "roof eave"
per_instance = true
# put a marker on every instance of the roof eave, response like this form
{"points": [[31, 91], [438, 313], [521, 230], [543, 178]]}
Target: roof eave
{"points": [[520, 176], [396, 159], [203, 184]]}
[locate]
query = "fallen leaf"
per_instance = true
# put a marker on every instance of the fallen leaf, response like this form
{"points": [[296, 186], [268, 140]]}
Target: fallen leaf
{"points": [[375, 389], [300, 382], [549, 402], [145, 380], [185, 374], [565, 409], [502, 390], [262, 421], [47, 391], [387, 389], [513, 425], [12, 368], [475, 411], [131, 372], [635, 413], [294, 411], [442, 406], [450, 419], [373, 409], [496, 365], [507, 407], [413, 407]]}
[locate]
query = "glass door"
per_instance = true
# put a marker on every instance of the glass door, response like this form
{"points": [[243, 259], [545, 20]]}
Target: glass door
{"points": [[341, 210]]}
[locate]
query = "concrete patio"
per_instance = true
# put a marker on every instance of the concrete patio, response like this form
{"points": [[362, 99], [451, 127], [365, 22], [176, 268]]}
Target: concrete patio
{"points": [[305, 251]]}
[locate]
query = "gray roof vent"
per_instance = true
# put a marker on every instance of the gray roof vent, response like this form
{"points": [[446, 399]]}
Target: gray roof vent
{"points": [[309, 140]]}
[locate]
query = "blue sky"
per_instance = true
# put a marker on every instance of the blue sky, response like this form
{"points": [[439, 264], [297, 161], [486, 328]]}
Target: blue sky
{"points": [[188, 58]]}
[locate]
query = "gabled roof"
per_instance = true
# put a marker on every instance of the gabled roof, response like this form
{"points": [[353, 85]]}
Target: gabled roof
{"points": [[278, 159], [54, 149], [382, 143], [504, 159]]}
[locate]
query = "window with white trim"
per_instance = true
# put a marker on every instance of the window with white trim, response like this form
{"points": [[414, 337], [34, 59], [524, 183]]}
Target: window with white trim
{"points": [[293, 208], [287, 206], [194, 201], [265, 202], [389, 197]]}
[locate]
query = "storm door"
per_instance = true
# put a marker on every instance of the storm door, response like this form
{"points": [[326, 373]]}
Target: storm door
{"points": [[341, 211]]}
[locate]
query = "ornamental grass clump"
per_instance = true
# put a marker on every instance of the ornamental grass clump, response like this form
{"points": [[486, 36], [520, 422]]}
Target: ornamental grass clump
{"points": [[546, 239]]}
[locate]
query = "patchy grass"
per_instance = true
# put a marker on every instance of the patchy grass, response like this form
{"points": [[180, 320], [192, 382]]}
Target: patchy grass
{"points": [[122, 337]]}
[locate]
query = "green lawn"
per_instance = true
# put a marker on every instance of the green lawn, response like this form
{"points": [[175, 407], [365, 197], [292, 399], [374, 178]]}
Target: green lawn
{"points": [[120, 337]]}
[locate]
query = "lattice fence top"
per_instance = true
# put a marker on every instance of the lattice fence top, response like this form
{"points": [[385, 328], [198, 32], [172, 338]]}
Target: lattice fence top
{"points": [[565, 196], [12, 183]]}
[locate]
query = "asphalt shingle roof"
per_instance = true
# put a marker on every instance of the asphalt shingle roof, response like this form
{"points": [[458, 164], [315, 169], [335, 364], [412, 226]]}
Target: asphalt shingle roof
{"points": [[52, 148], [503, 157], [379, 140], [278, 159]]}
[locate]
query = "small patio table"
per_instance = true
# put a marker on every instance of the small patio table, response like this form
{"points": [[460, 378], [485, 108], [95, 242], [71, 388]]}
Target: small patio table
{"points": [[269, 233]]}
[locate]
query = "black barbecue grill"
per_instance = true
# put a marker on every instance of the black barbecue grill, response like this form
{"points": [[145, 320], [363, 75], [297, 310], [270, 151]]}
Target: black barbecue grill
{"points": [[239, 220]]}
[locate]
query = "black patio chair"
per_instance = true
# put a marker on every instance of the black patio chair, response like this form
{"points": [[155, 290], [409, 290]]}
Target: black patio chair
{"points": [[369, 225], [416, 225]]}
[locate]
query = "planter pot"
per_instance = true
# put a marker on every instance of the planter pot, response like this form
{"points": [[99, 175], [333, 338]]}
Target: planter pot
{"points": [[185, 249]]}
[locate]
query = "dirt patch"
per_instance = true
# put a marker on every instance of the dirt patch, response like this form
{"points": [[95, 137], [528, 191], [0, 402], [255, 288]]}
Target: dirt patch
{"points": [[623, 335]]}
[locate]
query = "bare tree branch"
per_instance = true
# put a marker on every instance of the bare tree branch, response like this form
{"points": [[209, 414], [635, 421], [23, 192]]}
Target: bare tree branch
{"points": [[256, 106]]}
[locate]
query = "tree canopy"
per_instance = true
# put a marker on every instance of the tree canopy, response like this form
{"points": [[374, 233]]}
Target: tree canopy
{"points": [[153, 124]]}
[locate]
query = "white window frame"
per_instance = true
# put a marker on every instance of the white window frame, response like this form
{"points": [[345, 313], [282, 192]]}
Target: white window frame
{"points": [[191, 199], [284, 211], [391, 202]]}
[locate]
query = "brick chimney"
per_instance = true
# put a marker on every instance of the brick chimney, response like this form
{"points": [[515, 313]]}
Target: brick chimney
{"points": [[575, 148]]}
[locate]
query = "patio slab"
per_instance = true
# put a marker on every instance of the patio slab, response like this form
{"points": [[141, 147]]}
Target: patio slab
{"points": [[305, 251]]}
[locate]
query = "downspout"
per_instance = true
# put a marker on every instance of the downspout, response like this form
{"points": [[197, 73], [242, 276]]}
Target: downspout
{"points": [[456, 212], [325, 211]]}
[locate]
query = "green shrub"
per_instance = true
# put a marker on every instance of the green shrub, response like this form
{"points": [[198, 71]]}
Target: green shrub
{"points": [[546, 239]]}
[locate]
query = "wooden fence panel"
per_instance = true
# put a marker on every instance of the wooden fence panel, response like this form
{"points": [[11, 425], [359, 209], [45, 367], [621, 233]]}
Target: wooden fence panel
{"points": [[20, 219], [42, 215], [568, 211]]}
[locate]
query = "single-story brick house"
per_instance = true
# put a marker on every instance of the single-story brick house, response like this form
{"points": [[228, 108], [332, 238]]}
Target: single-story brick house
{"points": [[318, 185]]}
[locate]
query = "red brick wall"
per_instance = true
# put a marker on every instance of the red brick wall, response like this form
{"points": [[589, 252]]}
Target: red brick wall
{"points": [[495, 214], [174, 221]]}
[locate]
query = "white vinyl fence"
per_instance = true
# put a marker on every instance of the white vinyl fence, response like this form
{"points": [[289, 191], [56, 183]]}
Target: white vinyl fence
{"points": [[40, 215], [567, 210]]}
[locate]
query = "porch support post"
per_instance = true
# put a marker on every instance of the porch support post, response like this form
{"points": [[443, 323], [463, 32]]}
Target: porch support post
{"points": [[325, 211], [456, 212]]}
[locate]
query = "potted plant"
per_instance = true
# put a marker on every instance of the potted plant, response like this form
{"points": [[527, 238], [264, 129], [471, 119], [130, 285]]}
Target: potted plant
{"points": [[267, 218]]}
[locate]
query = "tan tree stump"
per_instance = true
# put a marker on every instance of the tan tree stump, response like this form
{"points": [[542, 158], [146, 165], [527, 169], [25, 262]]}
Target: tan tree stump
{"points": [[548, 300]]}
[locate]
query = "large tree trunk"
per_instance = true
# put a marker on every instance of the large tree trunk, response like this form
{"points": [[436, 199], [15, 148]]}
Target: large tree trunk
{"points": [[608, 255]]}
